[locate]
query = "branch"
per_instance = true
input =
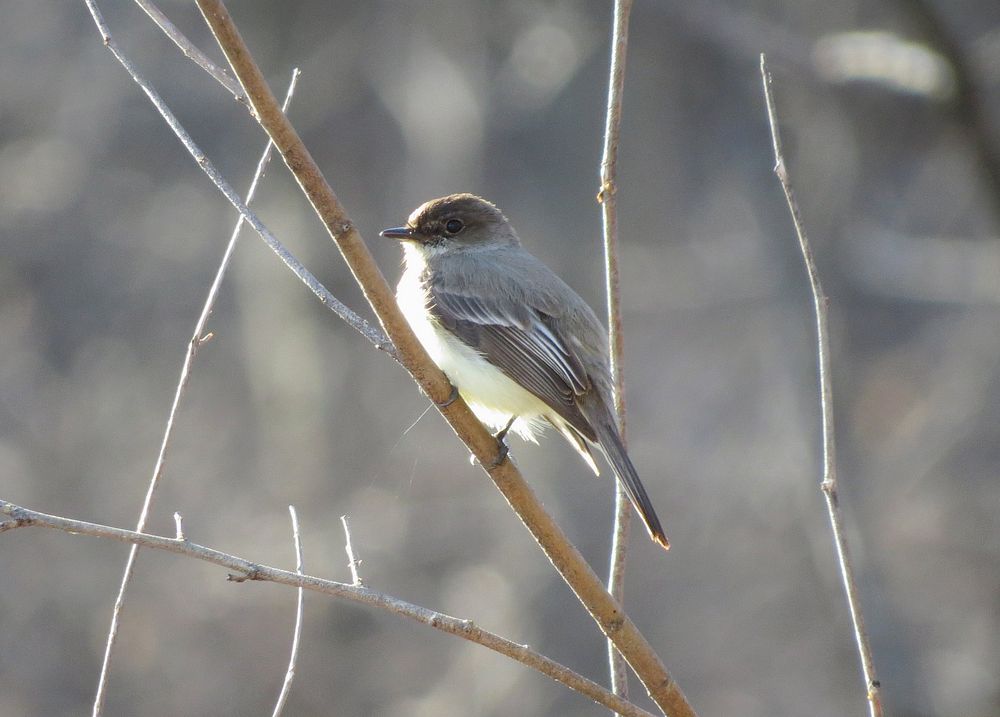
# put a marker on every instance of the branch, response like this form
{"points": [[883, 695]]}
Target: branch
{"points": [[564, 556], [829, 484], [607, 196], [286, 686], [353, 563], [369, 332], [198, 338], [243, 570], [189, 50]]}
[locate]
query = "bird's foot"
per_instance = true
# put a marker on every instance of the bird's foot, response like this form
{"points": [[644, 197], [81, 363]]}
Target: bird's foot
{"points": [[503, 450], [452, 397]]}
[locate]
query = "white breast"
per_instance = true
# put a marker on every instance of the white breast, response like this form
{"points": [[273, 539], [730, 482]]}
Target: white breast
{"points": [[490, 393]]}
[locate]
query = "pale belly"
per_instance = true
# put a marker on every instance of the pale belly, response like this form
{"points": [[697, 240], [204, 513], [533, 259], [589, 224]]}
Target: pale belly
{"points": [[490, 393]]}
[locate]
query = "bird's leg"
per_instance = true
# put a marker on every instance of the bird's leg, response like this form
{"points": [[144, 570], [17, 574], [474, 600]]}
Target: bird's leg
{"points": [[502, 448], [501, 435]]}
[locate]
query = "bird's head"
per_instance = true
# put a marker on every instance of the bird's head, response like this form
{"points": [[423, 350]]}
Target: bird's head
{"points": [[458, 221]]}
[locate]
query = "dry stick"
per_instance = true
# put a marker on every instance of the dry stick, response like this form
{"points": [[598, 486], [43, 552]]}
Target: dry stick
{"points": [[353, 563], [244, 570], [286, 686], [371, 333], [564, 556], [197, 340], [607, 196], [193, 53], [829, 484]]}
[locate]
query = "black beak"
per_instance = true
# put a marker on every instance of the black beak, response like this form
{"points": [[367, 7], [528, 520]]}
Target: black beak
{"points": [[397, 233]]}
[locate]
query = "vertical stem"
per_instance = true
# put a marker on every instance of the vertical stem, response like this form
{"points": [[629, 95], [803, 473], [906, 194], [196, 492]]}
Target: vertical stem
{"points": [[608, 200], [829, 484], [286, 685]]}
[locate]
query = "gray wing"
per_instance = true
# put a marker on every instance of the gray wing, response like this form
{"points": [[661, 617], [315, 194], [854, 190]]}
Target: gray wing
{"points": [[524, 343]]}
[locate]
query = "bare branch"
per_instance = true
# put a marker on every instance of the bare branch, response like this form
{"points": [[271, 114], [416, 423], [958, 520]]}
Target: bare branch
{"points": [[369, 332], [607, 196], [352, 562], [245, 570], [189, 50], [286, 686], [829, 484], [564, 556], [198, 338]]}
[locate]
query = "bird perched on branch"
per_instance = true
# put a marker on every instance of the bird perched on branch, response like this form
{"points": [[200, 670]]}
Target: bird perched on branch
{"points": [[520, 346]]}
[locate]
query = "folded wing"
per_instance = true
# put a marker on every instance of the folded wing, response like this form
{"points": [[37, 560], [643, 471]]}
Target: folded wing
{"points": [[522, 342]]}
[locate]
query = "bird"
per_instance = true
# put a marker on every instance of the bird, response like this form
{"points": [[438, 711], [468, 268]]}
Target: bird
{"points": [[521, 347]]}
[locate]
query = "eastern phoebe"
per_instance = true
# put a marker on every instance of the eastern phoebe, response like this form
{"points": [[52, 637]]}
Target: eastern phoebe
{"points": [[522, 348]]}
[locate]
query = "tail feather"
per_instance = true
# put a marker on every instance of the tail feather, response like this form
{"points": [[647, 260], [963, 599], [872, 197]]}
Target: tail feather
{"points": [[611, 445], [576, 440]]}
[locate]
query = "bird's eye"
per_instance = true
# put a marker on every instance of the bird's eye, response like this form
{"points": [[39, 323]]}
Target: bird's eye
{"points": [[453, 226]]}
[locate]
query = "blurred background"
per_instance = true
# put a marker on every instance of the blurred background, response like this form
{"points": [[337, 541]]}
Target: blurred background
{"points": [[110, 236]]}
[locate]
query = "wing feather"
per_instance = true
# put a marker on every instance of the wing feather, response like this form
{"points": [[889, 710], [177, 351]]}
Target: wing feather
{"points": [[522, 342]]}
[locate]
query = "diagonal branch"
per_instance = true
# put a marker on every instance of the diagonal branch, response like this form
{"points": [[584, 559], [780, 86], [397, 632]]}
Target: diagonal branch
{"points": [[189, 50], [198, 338], [369, 332], [607, 196], [243, 570], [564, 556], [829, 484]]}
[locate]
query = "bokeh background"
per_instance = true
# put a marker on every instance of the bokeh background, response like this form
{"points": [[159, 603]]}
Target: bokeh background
{"points": [[110, 236]]}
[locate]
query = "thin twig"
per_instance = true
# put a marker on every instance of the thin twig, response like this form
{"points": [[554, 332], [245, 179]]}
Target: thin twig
{"points": [[829, 484], [604, 609], [369, 332], [189, 50], [244, 570], [197, 340], [352, 562], [286, 686], [607, 196]]}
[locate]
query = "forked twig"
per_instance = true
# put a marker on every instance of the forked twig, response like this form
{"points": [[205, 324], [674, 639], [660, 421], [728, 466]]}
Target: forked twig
{"points": [[829, 484], [197, 339], [246, 570], [286, 686], [193, 53], [369, 332], [607, 196]]}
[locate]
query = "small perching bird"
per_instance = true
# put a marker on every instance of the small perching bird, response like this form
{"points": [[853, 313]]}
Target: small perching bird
{"points": [[522, 348]]}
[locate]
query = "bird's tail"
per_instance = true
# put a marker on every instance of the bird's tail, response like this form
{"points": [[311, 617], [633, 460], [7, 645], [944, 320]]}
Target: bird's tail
{"points": [[611, 443]]}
